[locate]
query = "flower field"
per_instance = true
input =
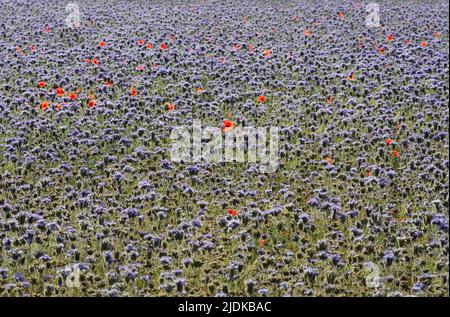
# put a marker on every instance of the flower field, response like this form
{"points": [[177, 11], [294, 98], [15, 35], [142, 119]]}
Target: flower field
{"points": [[91, 203]]}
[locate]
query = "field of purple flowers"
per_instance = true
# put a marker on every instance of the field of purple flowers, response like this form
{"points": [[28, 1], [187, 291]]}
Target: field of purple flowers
{"points": [[92, 205]]}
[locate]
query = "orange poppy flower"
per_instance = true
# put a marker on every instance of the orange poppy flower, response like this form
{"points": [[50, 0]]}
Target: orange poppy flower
{"points": [[267, 53], [396, 153], [262, 243], [58, 106], [341, 15], [90, 96], [389, 141], [369, 173], [307, 32], [424, 44], [163, 46], [390, 38], [133, 92], [381, 50], [227, 125], [42, 84], [262, 98], [170, 106], [329, 160], [101, 44], [436, 35], [141, 42], [45, 105], [149, 46], [91, 103], [72, 96], [232, 212], [329, 100], [198, 90]]}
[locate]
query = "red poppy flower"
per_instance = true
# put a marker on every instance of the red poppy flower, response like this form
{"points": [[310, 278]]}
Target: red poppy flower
{"points": [[307, 32], [424, 44], [369, 173], [32, 48], [262, 243], [267, 53], [42, 84], [72, 96], [59, 92], [232, 212], [389, 141], [329, 100], [390, 38], [45, 105], [133, 92], [329, 160], [87, 60], [172, 38], [91, 103], [141, 42], [101, 44], [227, 125], [58, 106], [149, 46], [95, 61], [170, 106], [396, 153], [163, 46], [262, 98], [341, 15], [381, 50]]}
